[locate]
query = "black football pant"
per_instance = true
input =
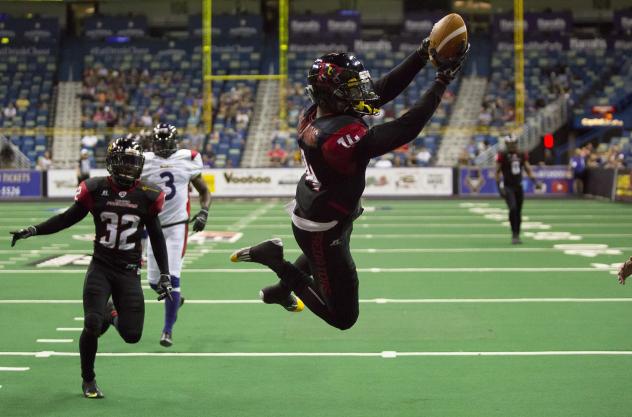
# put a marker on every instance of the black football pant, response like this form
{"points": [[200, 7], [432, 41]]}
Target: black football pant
{"points": [[514, 196], [332, 290], [103, 280]]}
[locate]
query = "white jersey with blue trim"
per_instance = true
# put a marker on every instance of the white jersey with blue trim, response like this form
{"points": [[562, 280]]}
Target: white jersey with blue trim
{"points": [[173, 175]]}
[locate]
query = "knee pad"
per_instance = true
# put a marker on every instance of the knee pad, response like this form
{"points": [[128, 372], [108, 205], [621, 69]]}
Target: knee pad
{"points": [[345, 323], [131, 336], [93, 323]]}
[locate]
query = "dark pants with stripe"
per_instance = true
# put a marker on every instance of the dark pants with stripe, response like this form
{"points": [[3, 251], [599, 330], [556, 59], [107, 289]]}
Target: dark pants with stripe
{"points": [[333, 293], [102, 281], [514, 197]]}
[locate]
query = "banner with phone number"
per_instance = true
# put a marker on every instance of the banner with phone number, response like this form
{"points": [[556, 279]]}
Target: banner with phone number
{"points": [[20, 184], [482, 181]]}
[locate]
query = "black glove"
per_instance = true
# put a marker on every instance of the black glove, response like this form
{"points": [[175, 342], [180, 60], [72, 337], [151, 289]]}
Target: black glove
{"points": [[23, 234], [447, 69], [501, 189], [199, 221], [164, 287], [423, 49]]}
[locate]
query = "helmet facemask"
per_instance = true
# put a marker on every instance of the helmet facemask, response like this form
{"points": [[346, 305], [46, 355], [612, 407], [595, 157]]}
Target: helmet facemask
{"points": [[164, 143], [125, 166]]}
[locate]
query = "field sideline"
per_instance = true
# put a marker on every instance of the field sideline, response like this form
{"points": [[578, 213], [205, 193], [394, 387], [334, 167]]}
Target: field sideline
{"points": [[454, 320]]}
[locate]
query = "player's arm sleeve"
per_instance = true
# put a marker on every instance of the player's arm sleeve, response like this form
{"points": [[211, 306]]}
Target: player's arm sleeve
{"points": [[158, 244], [389, 136], [73, 215], [392, 84]]}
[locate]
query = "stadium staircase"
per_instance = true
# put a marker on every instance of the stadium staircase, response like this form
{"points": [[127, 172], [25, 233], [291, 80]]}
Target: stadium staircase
{"points": [[463, 120], [264, 125], [66, 136]]}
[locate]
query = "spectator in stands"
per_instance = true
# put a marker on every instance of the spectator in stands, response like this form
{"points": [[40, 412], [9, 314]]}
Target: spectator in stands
{"points": [[423, 157], [278, 156], [7, 157], [577, 170], [22, 103], [146, 120], [10, 111], [83, 168], [385, 161], [44, 162]]}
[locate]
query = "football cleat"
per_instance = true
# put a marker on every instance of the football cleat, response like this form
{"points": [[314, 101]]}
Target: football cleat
{"points": [[268, 252], [516, 240], [91, 390], [166, 340], [276, 294]]}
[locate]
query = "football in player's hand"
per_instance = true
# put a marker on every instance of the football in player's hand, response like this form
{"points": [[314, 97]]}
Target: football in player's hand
{"points": [[448, 39]]}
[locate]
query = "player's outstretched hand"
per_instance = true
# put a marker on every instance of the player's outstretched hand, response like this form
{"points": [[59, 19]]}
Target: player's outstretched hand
{"points": [[199, 221], [449, 68], [625, 271], [164, 287], [23, 234]]}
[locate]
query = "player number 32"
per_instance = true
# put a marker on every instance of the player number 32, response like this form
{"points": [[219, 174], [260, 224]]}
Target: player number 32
{"points": [[119, 229]]}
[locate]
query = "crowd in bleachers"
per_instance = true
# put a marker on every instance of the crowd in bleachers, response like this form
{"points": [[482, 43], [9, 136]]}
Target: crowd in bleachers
{"points": [[26, 89]]}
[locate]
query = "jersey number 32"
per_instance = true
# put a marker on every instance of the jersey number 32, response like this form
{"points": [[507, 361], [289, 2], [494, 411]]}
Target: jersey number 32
{"points": [[118, 230]]}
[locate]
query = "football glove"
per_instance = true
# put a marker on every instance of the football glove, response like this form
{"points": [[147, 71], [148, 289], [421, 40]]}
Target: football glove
{"points": [[501, 189], [23, 234], [164, 287], [423, 49], [199, 221], [625, 271], [447, 69]]}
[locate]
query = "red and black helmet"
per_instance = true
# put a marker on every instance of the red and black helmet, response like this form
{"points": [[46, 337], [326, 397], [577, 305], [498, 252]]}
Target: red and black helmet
{"points": [[340, 82]]}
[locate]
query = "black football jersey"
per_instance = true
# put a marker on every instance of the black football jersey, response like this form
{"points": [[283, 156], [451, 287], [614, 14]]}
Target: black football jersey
{"points": [[511, 165], [334, 179], [119, 217]]}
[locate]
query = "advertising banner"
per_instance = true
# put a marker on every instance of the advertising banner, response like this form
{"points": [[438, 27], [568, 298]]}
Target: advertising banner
{"points": [[63, 182], [420, 23], [622, 20], [231, 26], [380, 182], [20, 184], [547, 22], [324, 26], [482, 181], [623, 186], [38, 29], [103, 26]]}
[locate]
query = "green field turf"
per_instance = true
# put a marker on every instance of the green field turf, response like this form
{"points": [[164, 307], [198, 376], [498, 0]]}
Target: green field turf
{"points": [[454, 320]]}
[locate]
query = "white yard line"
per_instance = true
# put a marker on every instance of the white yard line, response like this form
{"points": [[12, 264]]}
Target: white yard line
{"points": [[54, 340], [365, 270], [69, 329], [14, 368], [377, 301], [384, 354]]}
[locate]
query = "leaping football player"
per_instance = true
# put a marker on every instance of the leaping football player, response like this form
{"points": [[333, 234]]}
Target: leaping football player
{"points": [[337, 145], [121, 206], [174, 169]]}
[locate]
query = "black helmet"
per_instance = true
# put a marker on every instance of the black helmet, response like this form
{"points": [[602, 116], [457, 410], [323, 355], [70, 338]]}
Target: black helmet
{"points": [[340, 82], [124, 161], [164, 143]]}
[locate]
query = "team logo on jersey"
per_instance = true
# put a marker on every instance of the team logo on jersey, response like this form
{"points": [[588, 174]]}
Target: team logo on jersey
{"points": [[347, 141], [122, 194], [105, 193]]}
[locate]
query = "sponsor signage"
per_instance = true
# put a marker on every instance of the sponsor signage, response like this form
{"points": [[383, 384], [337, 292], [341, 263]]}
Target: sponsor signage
{"points": [[20, 184], [623, 186], [41, 29], [482, 181], [324, 25], [549, 22], [623, 20], [63, 182], [100, 27]]}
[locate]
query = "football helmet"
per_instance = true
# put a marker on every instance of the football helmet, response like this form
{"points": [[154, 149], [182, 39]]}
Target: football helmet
{"points": [[124, 160], [340, 82], [164, 142]]}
